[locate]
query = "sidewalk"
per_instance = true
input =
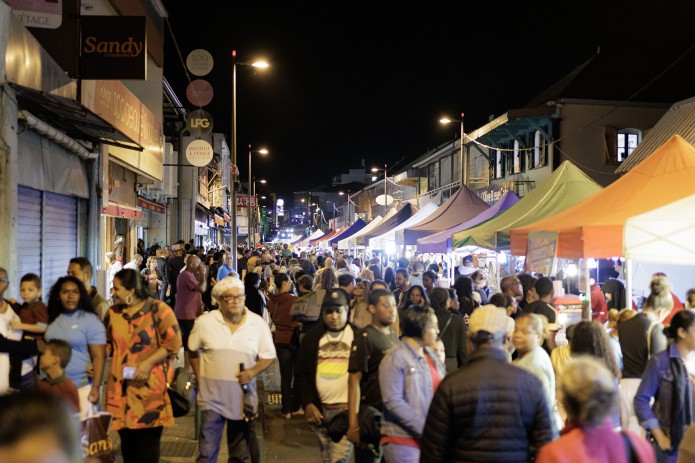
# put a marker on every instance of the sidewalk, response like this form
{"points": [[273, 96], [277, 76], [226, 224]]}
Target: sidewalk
{"points": [[279, 439]]}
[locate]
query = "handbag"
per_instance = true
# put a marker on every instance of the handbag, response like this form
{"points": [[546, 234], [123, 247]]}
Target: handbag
{"points": [[181, 392], [96, 442], [181, 389]]}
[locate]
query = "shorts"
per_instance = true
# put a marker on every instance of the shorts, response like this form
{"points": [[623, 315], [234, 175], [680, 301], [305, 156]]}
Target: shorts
{"points": [[186, 327]]}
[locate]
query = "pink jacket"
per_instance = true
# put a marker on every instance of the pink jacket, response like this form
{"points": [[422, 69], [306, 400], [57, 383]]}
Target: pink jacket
{"points": [[594, 445]]}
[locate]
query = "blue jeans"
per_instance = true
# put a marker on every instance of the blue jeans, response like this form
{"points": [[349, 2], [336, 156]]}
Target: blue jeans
{"points": [[332, 452], [394, 453], [241, 439]]}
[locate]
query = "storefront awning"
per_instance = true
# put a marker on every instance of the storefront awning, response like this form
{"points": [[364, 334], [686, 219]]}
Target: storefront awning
{"points": [[71, 117]]}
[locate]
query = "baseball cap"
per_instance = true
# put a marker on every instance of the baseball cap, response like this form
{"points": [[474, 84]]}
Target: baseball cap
{"points": [[490, 319], [335, 298]]}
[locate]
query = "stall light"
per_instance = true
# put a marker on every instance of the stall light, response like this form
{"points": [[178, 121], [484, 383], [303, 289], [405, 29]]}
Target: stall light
{"points": [[571, 270], [593, 263], [502, 258], [390, 248]]}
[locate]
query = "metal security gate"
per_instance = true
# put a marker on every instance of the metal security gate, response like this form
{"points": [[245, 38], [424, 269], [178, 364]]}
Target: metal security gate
{"points": [[47, 234]]}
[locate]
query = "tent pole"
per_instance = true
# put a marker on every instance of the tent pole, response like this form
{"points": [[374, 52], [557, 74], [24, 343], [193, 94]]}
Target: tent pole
{"points": [[497, 270], [628, 283]]}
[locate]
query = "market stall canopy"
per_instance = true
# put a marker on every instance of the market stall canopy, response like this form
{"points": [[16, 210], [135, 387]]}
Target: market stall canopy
{"points": [[347, 243], [327, 234], [388, 223], [594, 227], [304, 241], [356, 226], [441, 241], [322, 241], [388, 239], [663, 235], [463, 205], [567, 186]]}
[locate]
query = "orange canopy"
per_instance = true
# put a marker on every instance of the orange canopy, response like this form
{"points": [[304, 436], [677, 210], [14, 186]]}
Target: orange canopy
{"points": [[594, 227]]}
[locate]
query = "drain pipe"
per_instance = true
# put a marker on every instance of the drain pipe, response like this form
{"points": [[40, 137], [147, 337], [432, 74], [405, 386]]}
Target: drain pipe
{"points": [[55, 135]]}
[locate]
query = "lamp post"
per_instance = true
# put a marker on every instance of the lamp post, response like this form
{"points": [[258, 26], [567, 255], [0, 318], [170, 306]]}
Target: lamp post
{"points": [[463, 166], [256, 210], [257, 65], [251, 193], [376, 169]]}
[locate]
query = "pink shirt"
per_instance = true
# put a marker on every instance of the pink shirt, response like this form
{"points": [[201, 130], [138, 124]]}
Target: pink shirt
{"points": [[188, 300]]}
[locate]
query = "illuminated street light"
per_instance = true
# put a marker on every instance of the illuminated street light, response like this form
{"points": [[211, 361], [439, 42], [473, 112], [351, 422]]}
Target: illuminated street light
{"points": [[257, 65], [463, 165]]}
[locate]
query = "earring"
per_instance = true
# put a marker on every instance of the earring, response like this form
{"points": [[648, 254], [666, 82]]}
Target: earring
{"points": [[129, 299]]}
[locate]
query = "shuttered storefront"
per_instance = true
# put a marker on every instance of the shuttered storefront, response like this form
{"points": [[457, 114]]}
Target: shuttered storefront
{"points": [[47, 234]]}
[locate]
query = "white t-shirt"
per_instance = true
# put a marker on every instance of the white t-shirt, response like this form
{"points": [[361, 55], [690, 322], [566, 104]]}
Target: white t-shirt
{"points": [[332, 367], [221, 352], [15, 335]]}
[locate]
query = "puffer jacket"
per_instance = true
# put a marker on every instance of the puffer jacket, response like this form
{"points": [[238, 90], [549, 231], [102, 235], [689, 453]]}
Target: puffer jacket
{"points": [[498, 412]]}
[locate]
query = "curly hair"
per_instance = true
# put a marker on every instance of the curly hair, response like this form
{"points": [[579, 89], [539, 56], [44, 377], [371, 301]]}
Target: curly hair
{"points": [[55, 307], [660, 294], [590, 338], [328, 279], [589, 391]]}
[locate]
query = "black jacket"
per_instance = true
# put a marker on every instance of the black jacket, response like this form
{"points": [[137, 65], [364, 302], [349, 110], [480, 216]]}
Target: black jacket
{"points": [[307, 361], [487, 411]]}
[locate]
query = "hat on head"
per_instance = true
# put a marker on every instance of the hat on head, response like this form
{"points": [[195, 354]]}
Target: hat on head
{"points": [[335, 298], [468, 258], [489, 319]]}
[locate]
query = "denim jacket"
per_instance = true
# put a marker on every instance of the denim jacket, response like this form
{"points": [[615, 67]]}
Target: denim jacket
{"points": [[406, 388], [657, 383]]}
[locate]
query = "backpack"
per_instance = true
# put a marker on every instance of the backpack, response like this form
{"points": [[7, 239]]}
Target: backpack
{"points": [[308, 307]]}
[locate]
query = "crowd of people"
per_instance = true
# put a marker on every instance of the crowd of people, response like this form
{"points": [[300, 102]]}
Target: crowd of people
{"points": [[382, 360]]}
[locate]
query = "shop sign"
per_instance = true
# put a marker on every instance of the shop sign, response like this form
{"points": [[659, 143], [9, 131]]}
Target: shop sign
{"points": [[199, 153], [243, 201], [150, 205], [199, 123], [113, 47], [118, 106], [491, 194], [199, 92], [541, 252], [41, 14], [199, 62]]}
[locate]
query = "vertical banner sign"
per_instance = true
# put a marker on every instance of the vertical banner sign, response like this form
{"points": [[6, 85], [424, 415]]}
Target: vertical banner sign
{"points": [[113, 47], [541, 252]]}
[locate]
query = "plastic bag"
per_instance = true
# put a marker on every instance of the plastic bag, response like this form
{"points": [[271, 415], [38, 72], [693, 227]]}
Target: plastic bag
{"points": [[96, 443]]}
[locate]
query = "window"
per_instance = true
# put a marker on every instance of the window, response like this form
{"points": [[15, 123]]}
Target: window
{"points": [[434, 176], [446, 169], [620, 143], [498, 166], [514, 166], [537, 157], [627, 139]]}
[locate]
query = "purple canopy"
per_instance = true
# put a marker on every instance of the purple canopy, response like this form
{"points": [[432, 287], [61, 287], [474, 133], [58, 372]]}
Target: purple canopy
{"points": [[462, 206], [356, 226], [441, 241]]}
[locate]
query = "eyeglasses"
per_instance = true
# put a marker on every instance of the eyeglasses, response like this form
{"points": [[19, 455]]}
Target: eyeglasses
{"points": [[238, 297]]}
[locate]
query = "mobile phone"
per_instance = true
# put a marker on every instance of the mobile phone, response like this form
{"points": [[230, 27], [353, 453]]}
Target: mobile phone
{"points": [[128, 372]]}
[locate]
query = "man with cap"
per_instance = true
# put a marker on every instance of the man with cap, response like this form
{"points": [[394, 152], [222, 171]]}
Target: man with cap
{"points": [[488, 410], [321, 373], [468, 266]]}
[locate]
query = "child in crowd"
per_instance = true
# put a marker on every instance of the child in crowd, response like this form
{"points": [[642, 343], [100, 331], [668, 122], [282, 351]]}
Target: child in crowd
{"points": [[33, 320], [53, 361]]}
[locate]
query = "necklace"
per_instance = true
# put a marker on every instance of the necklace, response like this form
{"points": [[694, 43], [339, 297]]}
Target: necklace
{"points": [[333, 343]]}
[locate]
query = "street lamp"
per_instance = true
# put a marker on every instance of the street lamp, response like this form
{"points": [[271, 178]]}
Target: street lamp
{"points": [[376, 169], [262, 151], [253, 195], [235, 171], [463, 166]]}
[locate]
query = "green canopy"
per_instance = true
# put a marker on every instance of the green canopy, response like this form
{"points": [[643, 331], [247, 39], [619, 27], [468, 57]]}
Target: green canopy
{"points": [[567, 186]]}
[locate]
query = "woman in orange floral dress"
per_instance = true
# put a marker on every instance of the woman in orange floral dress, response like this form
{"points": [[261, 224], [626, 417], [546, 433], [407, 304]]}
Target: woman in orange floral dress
{"points": [[144, 335]]}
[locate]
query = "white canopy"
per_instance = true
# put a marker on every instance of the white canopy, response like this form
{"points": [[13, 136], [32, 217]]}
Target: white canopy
{"points": [[388, 239], [305, 242], [350, 242], [663, 235]]}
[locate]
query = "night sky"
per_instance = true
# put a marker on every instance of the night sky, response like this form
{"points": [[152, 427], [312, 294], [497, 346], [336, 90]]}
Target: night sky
{"points": [[350, 82]]}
